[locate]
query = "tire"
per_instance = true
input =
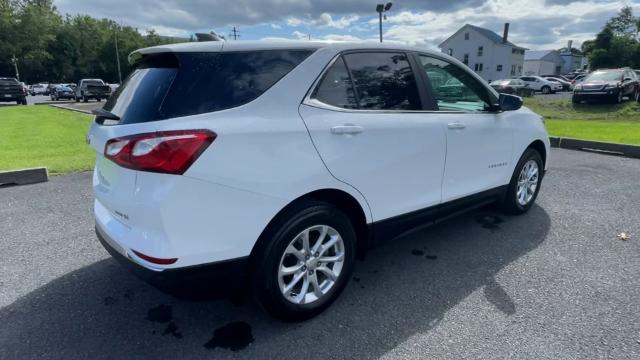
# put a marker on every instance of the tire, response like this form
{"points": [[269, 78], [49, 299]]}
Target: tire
{"points": [[23, 101], [617, 99], [512, 202], [286, 232], [636, 95], [77, 99], [545, 89], [576, 99], [85, 99]]}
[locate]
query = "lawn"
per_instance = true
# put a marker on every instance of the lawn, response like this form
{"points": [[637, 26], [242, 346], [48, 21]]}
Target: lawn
{"points": [[619, 123], [32, 136]]}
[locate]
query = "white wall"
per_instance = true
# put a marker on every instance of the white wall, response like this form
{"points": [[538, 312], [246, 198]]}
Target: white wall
{"points": [[493, 54]]}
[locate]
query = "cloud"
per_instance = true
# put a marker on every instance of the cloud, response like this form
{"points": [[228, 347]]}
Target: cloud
{"points": [[535, 24]]}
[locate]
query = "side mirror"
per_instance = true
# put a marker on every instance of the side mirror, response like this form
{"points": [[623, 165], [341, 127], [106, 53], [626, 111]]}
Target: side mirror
{"points": [[509, 102]]}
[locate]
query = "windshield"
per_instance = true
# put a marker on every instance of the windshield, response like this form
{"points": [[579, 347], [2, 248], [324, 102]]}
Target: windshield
{"points": [[605, 76], [94, 82], [8, 81]]}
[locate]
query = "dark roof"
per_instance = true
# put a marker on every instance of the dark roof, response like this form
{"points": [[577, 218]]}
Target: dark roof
{"points": [[489, 34], [537, 54]]}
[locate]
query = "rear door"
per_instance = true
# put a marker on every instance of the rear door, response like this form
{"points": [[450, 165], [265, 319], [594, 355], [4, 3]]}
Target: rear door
{"points": [[365, 118]]}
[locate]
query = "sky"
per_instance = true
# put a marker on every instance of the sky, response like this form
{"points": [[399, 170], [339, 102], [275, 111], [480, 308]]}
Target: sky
{"points": [[535, 24]]}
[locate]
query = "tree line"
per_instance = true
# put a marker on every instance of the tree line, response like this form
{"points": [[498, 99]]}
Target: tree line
{"points": [[617, 44], [51, 47]]}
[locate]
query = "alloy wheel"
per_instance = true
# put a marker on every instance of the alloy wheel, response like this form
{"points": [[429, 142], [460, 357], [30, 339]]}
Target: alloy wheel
{"points": [[311, 264], [527, 182]]}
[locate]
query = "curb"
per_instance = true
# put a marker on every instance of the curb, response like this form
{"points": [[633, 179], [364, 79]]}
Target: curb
{"points": [[630, 151], [54, 102], [61, 106], [24, 176]]}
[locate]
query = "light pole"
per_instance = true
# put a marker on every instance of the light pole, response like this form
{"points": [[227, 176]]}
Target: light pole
{"points": [[15, 66], [115, 34], [382, 8]]}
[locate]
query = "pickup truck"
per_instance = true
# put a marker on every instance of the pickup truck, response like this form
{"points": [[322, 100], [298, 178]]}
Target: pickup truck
{"points": [[12, 90], [92, 89]]}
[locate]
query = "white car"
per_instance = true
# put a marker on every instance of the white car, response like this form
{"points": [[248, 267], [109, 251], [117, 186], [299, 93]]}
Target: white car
{"points": [[269, 165], [541, 84]]}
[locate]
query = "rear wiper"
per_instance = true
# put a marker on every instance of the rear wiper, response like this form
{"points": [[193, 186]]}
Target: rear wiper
{"points": [[103, 115]]}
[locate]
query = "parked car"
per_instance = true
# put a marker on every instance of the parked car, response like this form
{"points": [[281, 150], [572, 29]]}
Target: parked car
{"points": [[62, 91], [612, 85], [92, 89], [566, 85], [538, 83], [39, 89], [512, 86], [255, 166], [11, 90], [578, 80], [561, 77]]}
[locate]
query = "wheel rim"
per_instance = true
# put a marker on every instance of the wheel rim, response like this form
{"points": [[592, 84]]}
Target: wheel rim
{"points": [[545, 90], [527, 182], [311, 264]]}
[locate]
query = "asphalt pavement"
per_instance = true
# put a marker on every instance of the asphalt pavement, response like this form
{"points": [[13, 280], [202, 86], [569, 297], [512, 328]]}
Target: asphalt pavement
{"points": [[555, 283]]}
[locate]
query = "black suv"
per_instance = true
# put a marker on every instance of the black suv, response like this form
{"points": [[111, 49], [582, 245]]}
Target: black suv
{"points": [[612, 85], [12, 90]]}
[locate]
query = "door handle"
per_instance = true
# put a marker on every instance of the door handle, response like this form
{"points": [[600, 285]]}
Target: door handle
{"points": [[456, 125], [346, 129]]}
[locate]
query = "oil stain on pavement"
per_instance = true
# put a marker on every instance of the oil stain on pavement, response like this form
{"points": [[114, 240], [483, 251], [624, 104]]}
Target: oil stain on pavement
{"points": [[234, 336]]}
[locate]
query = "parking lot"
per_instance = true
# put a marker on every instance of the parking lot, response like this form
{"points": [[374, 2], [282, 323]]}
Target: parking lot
{"points": [[556, 283]]}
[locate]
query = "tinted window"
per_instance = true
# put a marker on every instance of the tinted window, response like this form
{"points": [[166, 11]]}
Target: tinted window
{"points": [[383, 81], [454, 88], [180, 84], [336, 88]]}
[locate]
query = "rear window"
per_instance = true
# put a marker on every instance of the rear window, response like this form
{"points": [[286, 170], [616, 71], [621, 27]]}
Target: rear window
{"points": [[171, 85], [94, 82]]}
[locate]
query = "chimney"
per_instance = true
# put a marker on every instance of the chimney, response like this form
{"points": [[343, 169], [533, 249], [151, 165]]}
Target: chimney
{"points": [[505, 35], [569, 45]]}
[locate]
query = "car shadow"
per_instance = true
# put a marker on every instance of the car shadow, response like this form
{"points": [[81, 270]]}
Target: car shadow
{"points": [[403, 288]]}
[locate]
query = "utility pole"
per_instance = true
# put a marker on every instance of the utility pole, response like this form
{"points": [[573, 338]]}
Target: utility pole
{"points": [[235, 33], [382, 8], [309, 37], [115, 34], [15, 66]]}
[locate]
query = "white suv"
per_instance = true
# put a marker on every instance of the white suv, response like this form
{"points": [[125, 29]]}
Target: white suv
{"points": [[270, 165], [543, 85]]}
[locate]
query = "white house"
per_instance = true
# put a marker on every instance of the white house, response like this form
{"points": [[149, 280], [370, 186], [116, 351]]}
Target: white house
{"points": [[543, 62], [490, 55]]}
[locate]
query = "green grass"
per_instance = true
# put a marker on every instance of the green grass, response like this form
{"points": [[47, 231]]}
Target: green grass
{"points": [[619, 123], [32, 136]]}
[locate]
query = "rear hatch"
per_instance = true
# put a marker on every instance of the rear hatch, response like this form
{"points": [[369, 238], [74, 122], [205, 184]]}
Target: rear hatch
{"points": [[160, 103], [10, 88]]}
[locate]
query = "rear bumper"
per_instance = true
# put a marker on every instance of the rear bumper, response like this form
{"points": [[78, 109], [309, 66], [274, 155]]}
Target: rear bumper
{"points": [[219, 278]]}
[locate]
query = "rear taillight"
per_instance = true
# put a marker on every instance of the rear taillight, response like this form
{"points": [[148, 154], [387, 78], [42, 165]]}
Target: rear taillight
{"points": [[170, 152]]}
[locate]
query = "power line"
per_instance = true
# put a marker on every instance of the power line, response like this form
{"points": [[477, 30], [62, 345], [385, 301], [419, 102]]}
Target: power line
{"points": [[235, 33]]}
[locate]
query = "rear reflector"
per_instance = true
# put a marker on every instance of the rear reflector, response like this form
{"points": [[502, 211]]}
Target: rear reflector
{"points": [[169, 152], [154, 260]]}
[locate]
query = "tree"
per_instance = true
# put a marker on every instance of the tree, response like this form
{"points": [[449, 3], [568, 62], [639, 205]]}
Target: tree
{"points": [[616, 45]]}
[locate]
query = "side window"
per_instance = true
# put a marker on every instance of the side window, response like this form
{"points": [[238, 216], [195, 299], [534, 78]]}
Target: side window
{"points": [[383, 81], [336, 88], [454, 88]]}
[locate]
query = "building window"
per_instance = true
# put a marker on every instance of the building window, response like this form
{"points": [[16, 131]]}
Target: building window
{"points": [[466, 59], [513, 70], [466, 36], [499, 68], [519, 70], [513, 51], [480, 50], [478, 67], [450, 52]]}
